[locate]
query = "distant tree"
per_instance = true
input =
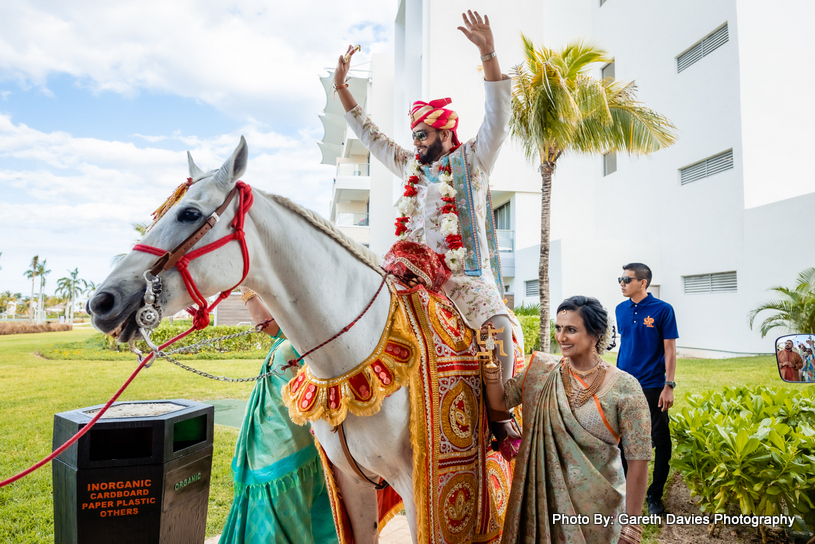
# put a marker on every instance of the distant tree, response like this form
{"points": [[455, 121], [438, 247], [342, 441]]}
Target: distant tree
{"points": [[794, 309], [42, 272], [31, 274], [141, 229], [71, 287]]}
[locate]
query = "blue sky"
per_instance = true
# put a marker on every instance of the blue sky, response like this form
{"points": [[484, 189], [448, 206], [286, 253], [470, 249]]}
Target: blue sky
{"points": [[99, 102]]}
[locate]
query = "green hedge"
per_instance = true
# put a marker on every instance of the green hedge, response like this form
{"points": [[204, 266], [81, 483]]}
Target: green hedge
{"points": [[530, 324], [750, 449], [103, 347]]}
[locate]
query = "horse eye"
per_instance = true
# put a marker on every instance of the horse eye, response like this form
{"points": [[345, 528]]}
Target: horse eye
{"points": [[189, 215]]}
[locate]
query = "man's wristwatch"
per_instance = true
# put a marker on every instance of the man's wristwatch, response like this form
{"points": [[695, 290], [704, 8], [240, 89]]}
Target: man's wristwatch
{"points": [[671, 384]]}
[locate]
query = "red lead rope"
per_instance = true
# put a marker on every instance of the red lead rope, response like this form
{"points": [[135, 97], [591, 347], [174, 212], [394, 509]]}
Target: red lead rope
{"points": [[200, 315]]}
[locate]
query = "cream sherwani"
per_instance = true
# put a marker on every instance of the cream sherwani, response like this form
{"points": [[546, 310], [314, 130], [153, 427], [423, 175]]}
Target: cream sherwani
{"points": [[477, 297]]}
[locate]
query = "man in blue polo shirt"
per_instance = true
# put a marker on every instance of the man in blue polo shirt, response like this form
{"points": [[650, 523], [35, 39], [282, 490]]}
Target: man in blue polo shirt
{"points": [[648, 352]]}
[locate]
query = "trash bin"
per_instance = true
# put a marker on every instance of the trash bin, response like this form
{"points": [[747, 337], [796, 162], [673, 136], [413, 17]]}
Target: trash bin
{"points": [[140, 475]]}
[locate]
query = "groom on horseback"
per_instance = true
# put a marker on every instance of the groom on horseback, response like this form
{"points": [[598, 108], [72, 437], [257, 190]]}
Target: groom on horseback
{"points": [[446, 202]]}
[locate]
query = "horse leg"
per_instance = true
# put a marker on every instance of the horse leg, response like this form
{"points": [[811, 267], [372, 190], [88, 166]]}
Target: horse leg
{"points": [[404, 486], [359, 498]]}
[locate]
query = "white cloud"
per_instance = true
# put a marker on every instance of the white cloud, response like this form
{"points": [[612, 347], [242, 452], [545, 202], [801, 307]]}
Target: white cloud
{"points": [[242, 57], [78, 206], [73, 199]]}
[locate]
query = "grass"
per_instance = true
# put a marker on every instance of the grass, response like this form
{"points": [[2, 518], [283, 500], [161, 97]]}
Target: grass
{"points": [[34, 389], [701, 375]]}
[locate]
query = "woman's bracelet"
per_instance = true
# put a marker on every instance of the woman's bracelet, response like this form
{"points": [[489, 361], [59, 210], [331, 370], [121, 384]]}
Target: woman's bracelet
{"points": [[248, 295], [632, 533], [492, 375]]}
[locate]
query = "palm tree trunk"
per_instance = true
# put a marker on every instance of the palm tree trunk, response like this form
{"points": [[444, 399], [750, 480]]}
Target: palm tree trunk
{"points": [[546, 169], [31, 301]]}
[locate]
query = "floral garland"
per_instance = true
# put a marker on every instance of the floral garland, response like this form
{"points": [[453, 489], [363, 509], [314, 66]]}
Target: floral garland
{"points": [[454, 257]]}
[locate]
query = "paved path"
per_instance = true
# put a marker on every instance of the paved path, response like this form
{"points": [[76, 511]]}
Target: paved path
{"points": [[395, 532]]}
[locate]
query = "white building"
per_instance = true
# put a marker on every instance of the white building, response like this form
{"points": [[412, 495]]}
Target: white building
{"points": [[719, 217]]}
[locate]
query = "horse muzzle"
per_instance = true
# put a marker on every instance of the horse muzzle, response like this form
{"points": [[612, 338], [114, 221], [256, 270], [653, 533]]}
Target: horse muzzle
{"points": [[113, 313]]}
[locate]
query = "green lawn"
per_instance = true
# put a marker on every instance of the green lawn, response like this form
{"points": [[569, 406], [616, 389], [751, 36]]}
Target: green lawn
{"points": [[34, 389]]}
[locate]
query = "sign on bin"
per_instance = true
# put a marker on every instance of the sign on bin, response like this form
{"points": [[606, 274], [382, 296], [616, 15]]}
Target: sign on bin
{"points": [[140, 475]]}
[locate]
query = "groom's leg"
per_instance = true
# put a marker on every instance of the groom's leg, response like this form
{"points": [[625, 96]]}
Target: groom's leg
{"points": [[507, 361]]}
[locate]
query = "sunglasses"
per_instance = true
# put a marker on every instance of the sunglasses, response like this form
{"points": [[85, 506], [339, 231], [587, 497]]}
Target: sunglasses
{"points": [[627, 279], [421, 135]]}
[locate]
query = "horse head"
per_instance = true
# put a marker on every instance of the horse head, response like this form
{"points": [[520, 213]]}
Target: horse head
{"points": [[114, 305]]}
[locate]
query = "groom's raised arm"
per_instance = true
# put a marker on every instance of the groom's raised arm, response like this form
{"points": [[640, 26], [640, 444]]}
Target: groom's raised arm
{"points": [[385, 150]]}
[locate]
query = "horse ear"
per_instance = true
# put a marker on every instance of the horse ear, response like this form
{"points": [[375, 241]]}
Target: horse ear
{"points": [[235, 166], [195, 172]]}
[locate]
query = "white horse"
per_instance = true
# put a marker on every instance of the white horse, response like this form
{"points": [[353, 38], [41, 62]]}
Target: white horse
{"points": [[315, 281]]}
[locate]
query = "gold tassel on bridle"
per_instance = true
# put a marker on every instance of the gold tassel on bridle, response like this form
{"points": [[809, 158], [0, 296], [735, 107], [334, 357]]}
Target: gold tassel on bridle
{"points": [[179, 192]]}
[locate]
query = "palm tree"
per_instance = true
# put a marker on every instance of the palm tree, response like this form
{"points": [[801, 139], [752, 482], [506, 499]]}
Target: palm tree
{"points": [[31, 274], [141, 229], [557, 108], [70, 287], [42, 272], [795, 310]]}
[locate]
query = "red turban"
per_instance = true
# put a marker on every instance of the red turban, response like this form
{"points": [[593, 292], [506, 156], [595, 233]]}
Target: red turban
{"points": [[434, 114]]}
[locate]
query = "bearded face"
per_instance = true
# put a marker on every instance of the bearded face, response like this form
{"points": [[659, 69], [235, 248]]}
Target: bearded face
{"points": [[432, 152]]}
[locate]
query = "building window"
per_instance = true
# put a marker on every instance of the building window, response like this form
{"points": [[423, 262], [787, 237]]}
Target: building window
{"points": [[609, 163], [501, 215], [706, 168], [702, 48], [532, 289], [608, 70], [503, 230], [721, 282]]}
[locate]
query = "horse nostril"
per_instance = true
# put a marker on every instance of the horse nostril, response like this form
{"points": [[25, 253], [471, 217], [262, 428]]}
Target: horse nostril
{"points": [[102, 303], [88, 308]]}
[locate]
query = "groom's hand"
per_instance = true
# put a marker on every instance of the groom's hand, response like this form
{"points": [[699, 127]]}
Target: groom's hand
{"points": [[478, 31]]}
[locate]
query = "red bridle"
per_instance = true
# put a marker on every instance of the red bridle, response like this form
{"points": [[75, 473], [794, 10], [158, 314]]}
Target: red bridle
{"points": [[180, 258]]}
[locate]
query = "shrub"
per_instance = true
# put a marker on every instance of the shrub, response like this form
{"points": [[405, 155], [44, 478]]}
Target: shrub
{"points": [[101, 347], [530, 324], [22, 327], [749, 449], [528, 309]]}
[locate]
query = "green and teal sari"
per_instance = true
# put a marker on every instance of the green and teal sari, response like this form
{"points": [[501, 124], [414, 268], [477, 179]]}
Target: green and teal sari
{"points": [[280, 494]]}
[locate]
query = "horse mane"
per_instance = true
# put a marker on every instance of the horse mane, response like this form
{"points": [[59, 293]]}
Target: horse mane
{"points": [[320, 223]]}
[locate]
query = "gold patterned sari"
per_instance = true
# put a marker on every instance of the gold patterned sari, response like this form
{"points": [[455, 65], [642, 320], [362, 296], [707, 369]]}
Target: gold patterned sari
{"points": [[561, 468]]}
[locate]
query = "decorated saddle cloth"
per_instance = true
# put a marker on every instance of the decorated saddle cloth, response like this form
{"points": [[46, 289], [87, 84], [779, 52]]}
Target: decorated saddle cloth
{"points": [[460, 486]]}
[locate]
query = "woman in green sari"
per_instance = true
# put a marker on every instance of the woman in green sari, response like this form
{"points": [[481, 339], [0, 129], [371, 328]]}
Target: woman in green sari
{"points": [[575, 412], [280, 493]]}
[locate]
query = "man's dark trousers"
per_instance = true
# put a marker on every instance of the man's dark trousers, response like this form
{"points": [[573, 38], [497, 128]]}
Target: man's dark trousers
{"points": [[661, 440]]}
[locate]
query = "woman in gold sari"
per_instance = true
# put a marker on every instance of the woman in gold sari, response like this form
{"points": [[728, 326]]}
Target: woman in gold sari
{"points": [[575, 412]]}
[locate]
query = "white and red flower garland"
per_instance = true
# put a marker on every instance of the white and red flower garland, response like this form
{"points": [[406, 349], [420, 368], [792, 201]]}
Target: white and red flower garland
{"points": [[408, 205]]}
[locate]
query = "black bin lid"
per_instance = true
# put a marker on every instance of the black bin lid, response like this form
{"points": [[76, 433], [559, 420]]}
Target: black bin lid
{"points": [[135, 433]]}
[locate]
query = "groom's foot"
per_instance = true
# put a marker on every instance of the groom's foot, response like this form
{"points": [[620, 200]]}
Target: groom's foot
{"points": [[507, 440]]}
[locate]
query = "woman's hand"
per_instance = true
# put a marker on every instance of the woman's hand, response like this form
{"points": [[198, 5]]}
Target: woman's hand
{"points": [[478, 31]]}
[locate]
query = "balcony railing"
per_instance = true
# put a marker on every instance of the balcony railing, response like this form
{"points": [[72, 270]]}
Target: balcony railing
{"points": [[353, 169], [352, 219], [506, 240]]}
